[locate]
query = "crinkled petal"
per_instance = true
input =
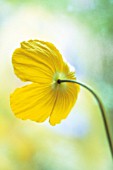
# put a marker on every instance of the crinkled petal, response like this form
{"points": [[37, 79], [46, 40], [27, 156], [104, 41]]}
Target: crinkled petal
{"points": [[40, 62], [37, 61], [33, 102], [64, 103]]}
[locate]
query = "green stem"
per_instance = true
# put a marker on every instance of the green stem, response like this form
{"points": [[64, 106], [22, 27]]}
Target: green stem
{"points": [[100, 107]]}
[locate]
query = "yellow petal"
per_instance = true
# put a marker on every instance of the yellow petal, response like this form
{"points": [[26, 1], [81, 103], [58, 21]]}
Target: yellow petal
{"points": [[33, 102], [41, 63], [64, 102], [37, 61]]}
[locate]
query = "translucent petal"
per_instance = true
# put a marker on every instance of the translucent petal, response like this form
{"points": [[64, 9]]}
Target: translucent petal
{"points": [[33, 102], [64, 102], [41, 63], [37, 61]]}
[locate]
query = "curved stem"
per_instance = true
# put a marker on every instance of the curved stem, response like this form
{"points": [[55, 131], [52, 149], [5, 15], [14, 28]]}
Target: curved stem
{"points": [[100, 107]]}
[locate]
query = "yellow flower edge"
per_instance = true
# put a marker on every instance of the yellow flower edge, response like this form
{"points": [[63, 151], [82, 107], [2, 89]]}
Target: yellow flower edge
{"points": [[42, 64]]}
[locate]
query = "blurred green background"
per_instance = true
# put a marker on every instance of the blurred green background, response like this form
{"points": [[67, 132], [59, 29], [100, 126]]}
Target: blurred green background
{"points": [[83, 32]]}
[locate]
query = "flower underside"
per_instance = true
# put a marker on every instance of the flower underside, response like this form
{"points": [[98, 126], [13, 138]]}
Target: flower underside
{"points": [[41, 63]]}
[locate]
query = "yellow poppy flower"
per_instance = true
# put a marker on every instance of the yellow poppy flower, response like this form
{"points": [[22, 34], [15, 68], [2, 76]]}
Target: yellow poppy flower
{"points": [[41, 63]]}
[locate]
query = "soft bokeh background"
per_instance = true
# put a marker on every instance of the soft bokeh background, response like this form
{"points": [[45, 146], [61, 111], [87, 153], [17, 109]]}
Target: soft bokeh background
{"points": [[83, 32]]}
